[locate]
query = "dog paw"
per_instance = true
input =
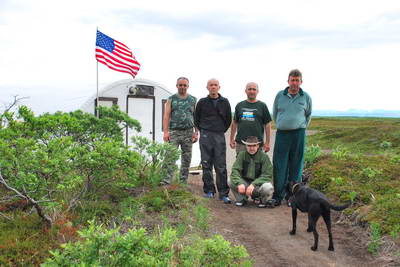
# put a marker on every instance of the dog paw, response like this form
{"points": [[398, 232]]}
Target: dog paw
{"points": [[331, 248], [313, 248], [293, 232]]}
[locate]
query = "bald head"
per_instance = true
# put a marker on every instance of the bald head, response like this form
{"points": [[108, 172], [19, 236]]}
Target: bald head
{"points": [[252, 85], [212, 80], [213, 87], [251, 91]]}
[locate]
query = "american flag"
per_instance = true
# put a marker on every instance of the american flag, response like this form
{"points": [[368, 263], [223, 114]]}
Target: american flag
{"points": [[115, 55]]}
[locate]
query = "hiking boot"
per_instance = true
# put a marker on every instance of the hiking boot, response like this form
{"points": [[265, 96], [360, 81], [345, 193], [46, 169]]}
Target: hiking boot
{"points": [[272, 203], [226, 200], [209, 195], [241, 203]]}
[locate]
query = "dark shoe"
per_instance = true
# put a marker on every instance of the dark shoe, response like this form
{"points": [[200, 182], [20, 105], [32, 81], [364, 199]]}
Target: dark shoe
{"points": [[272, 203], [226, 200], [241, 203], [209, 195]]}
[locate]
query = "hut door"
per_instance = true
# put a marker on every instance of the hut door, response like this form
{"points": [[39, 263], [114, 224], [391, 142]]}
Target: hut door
{"points": [[141, 108]]}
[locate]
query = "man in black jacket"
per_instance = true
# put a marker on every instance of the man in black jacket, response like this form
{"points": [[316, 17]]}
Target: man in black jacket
{"points": [[213, 118]]}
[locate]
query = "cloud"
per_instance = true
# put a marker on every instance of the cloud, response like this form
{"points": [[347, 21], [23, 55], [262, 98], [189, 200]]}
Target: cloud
{"points": [[237, 32]]}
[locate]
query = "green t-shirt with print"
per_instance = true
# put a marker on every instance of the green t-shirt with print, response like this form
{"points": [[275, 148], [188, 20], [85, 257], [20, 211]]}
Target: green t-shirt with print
{"points": [[250, 119], [182, 110]]}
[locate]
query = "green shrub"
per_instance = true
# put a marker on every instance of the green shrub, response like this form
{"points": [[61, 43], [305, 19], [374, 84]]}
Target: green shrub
{"points": [[102, 247], [340, 153], [370, 173], [58, 159], [156, 159], [376, 238], [311, 154], [202, 217], [385, 145]]}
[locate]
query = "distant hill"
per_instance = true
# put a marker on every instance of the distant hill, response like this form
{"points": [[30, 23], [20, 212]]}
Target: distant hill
{"points": [[358, 113]]}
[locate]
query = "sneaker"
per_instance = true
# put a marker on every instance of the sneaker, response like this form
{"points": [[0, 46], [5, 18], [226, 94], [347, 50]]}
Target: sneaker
{"points": [[241, 203], [164, 183], [226, 200], [262, 205], [209, 195], [272, 203]]}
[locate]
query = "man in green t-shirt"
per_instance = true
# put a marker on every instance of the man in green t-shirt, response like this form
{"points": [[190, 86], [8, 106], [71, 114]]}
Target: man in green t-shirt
{"points": [[178, 127], [252, 118]]}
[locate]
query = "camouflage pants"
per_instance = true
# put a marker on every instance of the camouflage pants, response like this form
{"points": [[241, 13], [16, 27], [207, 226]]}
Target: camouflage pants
{"points": [[182, 139]]}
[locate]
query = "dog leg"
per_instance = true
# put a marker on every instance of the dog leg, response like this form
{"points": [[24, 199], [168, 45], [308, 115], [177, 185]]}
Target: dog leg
{"points": [[294, 218], [326, 215], [310, 228], [314, 214]]}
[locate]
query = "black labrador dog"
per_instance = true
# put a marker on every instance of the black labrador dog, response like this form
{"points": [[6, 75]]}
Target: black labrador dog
{"points": [[315, 204]]}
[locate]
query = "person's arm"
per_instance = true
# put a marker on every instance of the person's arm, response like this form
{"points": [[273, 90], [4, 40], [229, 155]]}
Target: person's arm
{"points": [[275, 108], [228, 116], [195, 135], [236, 175], [267, 129], [166, 119], [233, 134], [309, 111], [197, 114]]}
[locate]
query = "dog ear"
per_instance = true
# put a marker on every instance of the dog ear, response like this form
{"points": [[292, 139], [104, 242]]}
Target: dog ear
{"points": [[304, 179]]}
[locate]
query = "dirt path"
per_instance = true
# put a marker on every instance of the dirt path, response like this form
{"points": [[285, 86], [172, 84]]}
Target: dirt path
{"points": [[265, 234]]}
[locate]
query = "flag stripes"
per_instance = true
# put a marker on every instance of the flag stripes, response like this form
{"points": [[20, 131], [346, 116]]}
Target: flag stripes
{"points": [[115, 55]]}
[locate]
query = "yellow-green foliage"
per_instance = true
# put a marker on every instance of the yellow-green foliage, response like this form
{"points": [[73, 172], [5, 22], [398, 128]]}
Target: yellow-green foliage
{"points": [[103, 247]]}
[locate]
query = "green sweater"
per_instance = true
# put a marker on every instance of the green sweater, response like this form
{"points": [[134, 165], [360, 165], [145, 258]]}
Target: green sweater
{"points": [[254, 169], [292, 113]]}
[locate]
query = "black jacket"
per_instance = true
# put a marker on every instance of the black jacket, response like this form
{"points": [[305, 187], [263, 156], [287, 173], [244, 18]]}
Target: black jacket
{"points": [[215, 119]]}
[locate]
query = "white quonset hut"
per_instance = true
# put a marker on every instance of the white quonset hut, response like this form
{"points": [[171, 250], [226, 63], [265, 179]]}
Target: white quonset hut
{"points": [[143, 100]]}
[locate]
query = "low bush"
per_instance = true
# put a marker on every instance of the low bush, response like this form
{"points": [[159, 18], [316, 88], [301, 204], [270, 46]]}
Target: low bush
{"points": [[102, 247]]}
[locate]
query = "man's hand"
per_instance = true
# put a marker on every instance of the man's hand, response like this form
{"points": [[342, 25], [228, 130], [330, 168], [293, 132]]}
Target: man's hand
{"points": [[232, 144], [195, 137], [166, 136], [241, 189], [266, 147], [249, 190]]}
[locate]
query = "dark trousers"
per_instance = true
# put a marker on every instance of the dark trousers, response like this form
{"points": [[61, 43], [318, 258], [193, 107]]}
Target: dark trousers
{"points": [[213, 154], [288, 159]]}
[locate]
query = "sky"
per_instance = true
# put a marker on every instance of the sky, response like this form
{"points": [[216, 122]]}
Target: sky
{"points": [[347, 50]]}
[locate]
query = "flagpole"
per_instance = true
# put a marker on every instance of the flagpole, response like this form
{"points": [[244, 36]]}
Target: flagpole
{"points": [[97, 84]]}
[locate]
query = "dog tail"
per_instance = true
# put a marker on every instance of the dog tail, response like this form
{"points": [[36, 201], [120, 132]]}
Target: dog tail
{"points": [[341, 207]]}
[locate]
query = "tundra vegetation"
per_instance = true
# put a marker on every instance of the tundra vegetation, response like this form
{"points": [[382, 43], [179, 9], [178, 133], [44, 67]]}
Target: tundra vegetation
{"points": [[358, 159], [72, 193]]}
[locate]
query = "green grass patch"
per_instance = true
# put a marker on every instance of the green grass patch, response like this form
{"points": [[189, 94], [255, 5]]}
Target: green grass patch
{"points": [[362, 165], [24, 241], [365, 135]]}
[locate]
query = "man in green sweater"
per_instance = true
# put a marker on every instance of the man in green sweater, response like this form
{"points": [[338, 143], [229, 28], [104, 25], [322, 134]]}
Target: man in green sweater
{"points": [[291, 113], [251, 174]]}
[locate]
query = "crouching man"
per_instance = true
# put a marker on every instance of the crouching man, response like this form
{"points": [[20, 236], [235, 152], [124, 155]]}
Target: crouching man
{"points": [[251, 175]]}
